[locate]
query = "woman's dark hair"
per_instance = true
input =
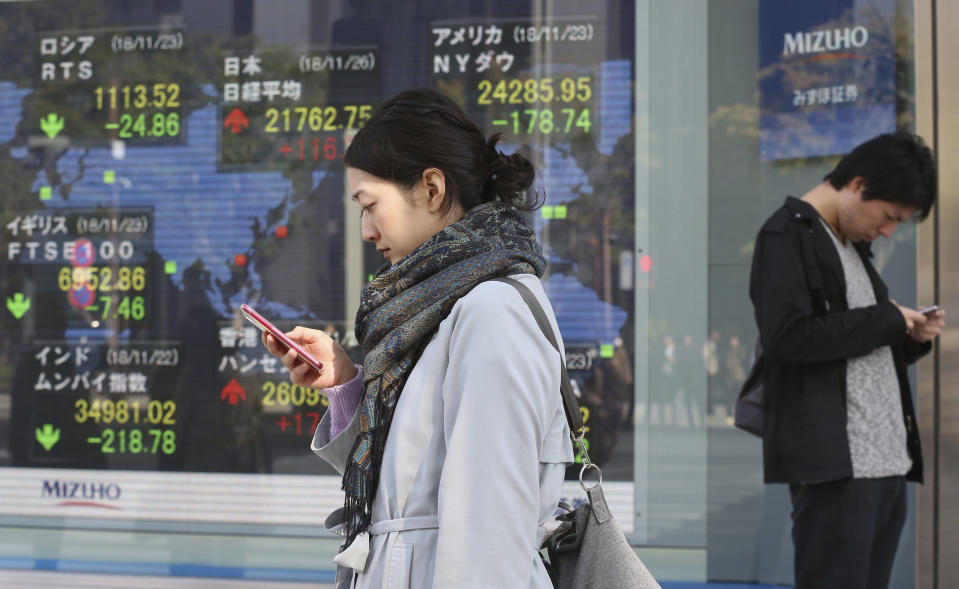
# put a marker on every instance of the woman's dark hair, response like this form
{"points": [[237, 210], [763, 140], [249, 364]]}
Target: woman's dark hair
{"points": [[896, 168], [422, 128]]}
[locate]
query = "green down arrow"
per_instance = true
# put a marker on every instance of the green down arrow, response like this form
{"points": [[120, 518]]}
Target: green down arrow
{"points": [[48, 436], [18, 305], [52, 125]]}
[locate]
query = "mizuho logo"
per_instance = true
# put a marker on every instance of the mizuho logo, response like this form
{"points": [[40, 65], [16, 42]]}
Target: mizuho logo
{"points": [[81, 491], [824, 41]]}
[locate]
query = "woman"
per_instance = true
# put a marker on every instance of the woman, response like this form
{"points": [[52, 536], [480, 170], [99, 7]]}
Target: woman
{"points": [[451, 438]]}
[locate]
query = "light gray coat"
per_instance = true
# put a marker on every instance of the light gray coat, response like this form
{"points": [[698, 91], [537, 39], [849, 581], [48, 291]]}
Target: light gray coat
{"points": [[479, 442]]}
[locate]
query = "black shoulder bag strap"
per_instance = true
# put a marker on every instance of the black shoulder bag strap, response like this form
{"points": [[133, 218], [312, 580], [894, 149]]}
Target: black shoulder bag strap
{"points": [[573, 416], [813, 274]]}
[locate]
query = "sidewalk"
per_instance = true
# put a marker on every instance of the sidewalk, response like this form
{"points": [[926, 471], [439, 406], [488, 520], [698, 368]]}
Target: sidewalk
{"points": [[12, 579]]}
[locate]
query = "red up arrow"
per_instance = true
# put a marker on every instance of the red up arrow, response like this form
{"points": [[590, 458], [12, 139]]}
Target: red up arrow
{"points": [[236, 120], [233, 392]]}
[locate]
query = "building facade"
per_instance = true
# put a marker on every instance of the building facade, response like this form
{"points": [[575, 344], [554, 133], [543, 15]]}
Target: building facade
{"points": [[165, 162]]}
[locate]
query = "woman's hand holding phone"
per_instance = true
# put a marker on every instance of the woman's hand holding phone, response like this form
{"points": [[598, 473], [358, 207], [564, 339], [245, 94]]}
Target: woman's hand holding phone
{"points": [[313, 358], [337, 366]]}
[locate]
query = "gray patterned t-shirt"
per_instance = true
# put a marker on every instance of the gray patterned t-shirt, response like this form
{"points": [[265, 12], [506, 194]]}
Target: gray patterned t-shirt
{"points": [[877, 434]]}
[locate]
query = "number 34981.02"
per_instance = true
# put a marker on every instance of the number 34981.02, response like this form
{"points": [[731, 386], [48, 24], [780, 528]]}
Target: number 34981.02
{"points": [[123, 411]]}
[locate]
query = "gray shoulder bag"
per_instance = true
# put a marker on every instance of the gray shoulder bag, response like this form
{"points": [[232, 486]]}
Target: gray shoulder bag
{"points": [[588, 549]]}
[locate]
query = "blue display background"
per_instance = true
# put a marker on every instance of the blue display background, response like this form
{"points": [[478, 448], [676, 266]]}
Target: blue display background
{"points": [[207, 215], [789, 125]]}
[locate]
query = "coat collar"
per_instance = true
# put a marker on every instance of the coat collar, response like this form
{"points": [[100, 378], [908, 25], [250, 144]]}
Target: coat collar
{"points": [[801, 209]]}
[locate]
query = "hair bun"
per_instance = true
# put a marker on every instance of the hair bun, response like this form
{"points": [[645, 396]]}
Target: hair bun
{"points": [[501, 161], [510, 175]]}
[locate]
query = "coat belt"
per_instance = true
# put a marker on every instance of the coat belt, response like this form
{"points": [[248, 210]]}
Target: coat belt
{"points": [[386, 526]]}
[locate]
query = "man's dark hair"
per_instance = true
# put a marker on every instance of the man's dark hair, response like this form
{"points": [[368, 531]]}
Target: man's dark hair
{"points": [[895, 167]]}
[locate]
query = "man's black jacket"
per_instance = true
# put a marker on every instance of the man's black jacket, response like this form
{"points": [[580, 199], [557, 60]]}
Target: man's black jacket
{"points": [[807, 332]]}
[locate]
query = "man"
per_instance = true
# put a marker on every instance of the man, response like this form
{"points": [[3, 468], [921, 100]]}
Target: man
{"points": [[839, 421]]}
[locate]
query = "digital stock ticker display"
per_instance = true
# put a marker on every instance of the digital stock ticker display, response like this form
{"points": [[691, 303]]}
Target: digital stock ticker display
{"points": [[164, 165]]}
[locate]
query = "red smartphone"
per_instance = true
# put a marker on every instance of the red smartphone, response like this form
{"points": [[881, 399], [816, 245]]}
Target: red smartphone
{"points": [[264, 325]]}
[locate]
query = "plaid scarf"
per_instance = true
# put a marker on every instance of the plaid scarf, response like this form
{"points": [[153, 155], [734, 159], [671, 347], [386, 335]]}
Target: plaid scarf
{"points": [[401, 309]]}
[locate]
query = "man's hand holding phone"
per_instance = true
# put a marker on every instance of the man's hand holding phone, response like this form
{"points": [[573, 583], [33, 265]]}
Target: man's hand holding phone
{"points": [[924, 324], [314, 359], [929, 329]]}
